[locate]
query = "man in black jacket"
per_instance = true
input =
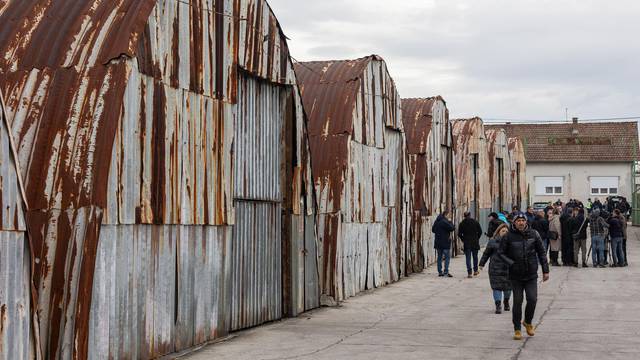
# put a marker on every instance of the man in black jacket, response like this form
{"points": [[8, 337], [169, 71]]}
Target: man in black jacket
{"points": [[442, 229], [522, 248], [567, 240], [578, 225], [541, 225], [470, 231]]}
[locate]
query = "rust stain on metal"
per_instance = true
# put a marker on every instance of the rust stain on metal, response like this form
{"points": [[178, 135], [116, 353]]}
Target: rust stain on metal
{"points": [[113, 71]]}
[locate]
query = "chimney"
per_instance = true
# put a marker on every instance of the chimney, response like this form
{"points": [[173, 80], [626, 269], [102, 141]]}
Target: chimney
{"points": [[575, 120]]}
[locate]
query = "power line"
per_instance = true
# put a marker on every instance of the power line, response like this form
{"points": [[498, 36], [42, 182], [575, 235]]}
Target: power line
{"points": [[610, 119]]}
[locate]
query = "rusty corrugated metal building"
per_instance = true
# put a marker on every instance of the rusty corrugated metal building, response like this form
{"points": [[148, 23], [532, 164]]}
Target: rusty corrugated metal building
{"points": [[15, 305], [499, 170], [430, 152], [472, 190], [360, 173], [518, 173], [164, 155]]}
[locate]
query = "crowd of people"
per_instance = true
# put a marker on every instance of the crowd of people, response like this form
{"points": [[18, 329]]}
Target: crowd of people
{"points": [[521, 241]]}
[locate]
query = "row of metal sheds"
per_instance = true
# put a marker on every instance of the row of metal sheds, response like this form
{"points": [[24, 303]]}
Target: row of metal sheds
{"points": [[168, 176]]}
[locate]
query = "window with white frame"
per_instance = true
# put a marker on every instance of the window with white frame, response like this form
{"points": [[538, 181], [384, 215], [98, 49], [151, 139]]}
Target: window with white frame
{"points": [[604, 185], [549, 185]]}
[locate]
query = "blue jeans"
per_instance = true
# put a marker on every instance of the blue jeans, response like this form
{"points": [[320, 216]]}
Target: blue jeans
{"points": [[616, 251], [447, 257], [497, 295], [597, 249], [545, 242], [468, 254]]}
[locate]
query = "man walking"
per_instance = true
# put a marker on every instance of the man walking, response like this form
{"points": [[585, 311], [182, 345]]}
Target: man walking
{"points": [[470, 231], [599, 228], [442, 229], [522, 248]]}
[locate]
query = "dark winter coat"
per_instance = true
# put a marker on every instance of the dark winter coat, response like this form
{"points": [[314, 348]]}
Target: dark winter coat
{"points": [[565, 221], [470, 231], [616, 228], [523, 251], [541, 225], [493, 226], [498, 268], [442, 229], [578, 225]]}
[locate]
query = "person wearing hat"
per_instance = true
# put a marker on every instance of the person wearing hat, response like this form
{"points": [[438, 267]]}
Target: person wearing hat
{"points": [[470, 231], [494, 223], [523, 250]]}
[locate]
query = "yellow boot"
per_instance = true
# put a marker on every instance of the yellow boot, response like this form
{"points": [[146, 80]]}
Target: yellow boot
{"points": [[531, 330], [517, 335]]}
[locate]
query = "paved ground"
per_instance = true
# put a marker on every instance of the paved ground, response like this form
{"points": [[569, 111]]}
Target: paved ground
{"points": [[582, 314]]}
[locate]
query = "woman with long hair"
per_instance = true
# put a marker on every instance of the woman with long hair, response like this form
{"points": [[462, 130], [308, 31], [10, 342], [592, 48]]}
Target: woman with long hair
{"points": [[498, 270]]}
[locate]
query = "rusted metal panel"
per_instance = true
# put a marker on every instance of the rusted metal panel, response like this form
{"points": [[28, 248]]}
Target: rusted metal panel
{"points": [[499, 177], [430, 152], [360, 172], [159, 289], [64, 246], [171, 162], [518, 173], [15, 319], [258, 134], [131, 114], [472, 190], [256, 294]]}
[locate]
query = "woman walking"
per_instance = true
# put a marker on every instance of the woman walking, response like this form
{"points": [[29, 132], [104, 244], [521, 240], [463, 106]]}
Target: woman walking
{"points": [[555, 235], [498, 270]]}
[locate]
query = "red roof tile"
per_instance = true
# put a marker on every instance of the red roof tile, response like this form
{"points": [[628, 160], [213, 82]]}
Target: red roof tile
{"points": [[581, 142]]}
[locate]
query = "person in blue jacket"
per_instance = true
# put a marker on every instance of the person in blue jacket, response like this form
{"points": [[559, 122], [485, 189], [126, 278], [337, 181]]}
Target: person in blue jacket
{"points": [[442, 228]]}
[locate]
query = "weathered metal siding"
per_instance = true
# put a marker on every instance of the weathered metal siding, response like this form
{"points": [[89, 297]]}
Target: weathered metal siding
{"points": [[159, 289], [256, 295], [15, 272], [497, 150], [518, 173], [430, 151], [360, 171], [129, 122], [469, 140]]}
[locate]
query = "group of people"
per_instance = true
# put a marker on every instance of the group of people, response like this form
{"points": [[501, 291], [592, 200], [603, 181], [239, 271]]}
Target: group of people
{"points": [[515, 250], [520, 242]]}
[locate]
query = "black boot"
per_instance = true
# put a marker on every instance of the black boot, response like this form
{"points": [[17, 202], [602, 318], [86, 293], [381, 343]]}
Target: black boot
{"points": [[506, 305], [498, 307]]}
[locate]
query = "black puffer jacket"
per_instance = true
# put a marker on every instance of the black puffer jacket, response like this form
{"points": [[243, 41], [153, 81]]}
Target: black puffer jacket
{"points": [[523, 250], [498, 268], [541, 225]]}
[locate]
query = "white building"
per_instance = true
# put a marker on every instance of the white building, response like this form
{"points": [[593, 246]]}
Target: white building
{"points": [[578, 160]]}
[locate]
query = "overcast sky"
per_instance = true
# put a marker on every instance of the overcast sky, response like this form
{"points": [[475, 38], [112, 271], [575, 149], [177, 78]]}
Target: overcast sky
{"points": [[521, 59]]}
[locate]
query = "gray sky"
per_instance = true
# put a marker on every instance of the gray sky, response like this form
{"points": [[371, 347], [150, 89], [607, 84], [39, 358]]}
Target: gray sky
{"points": [[492, 58]]}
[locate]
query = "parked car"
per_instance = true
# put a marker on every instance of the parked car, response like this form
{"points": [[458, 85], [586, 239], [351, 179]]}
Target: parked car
{"points": [[540, 205]]}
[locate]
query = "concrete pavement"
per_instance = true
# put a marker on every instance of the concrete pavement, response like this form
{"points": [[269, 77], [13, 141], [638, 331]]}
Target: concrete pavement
{"points": [[581, 314]]}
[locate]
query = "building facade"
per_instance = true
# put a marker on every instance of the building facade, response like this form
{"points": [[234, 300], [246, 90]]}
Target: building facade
{"points": [[578, 160]]}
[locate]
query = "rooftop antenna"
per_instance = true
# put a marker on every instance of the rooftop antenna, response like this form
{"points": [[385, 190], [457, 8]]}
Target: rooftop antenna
{"points": [[566, 114]]}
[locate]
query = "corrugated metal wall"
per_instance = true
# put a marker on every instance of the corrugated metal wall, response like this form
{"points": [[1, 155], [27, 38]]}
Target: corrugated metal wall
{"points": [[360, 170], [430, 152], [499, 175], [470, 142], [518, 173], [159, 289], [131, 127]]}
